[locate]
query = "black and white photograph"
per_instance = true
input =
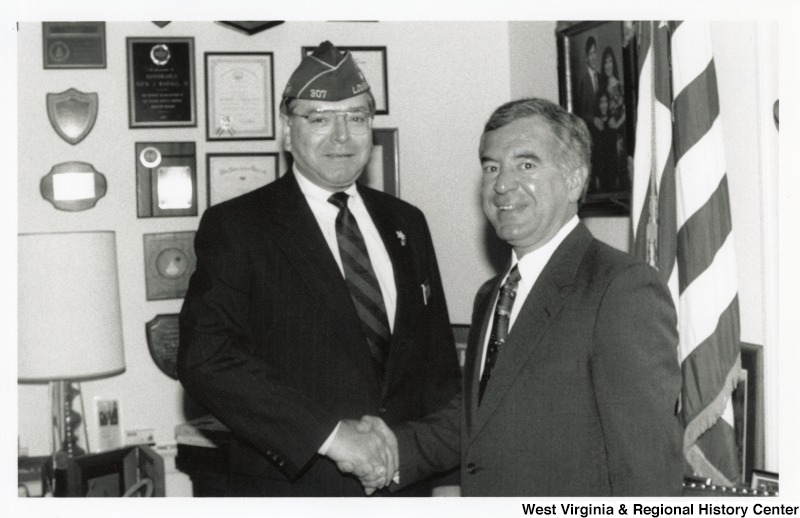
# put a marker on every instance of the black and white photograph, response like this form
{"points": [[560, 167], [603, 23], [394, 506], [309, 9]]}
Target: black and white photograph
{"points": [[535, 262]]}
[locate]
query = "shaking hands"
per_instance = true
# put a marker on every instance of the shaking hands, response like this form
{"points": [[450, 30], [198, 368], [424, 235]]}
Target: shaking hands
{"points": [[367, 449]]}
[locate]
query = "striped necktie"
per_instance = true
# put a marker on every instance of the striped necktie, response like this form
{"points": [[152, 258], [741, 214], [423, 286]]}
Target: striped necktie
{"points": [[362, 283], [502, 313]]}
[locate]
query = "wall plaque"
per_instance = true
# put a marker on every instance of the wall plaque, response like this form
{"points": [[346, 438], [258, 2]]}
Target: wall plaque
{"points": [[74, 44], [162, 340], [161, 82], [169, 263]]}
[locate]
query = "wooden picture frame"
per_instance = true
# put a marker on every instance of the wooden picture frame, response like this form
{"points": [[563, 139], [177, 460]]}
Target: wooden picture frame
{"points": [[240, 96], [383, 170], [373, 63], [765, 481], [606, 101], [748, 410], [232, 174]]}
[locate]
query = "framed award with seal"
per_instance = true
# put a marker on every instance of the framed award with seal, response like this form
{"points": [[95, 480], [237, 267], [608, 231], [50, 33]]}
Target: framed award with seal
{"points": [[240, 96], [163, 335], [166, 179], [74, 44], [169, 262], [161, 82]]}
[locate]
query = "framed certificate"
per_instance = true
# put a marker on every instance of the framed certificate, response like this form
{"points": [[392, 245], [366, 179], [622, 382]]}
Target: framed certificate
{"points": [[161, 82], [233, 174], [383, 170], [371, 61], [239, 96]]}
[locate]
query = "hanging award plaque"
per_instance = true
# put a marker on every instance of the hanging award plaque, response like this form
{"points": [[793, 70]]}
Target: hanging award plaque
{"points": [[161, 82], [72, 114], [162, 340]]}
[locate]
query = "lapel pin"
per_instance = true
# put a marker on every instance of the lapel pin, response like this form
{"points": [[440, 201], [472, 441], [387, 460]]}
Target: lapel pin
{"points": [[401, 237]]}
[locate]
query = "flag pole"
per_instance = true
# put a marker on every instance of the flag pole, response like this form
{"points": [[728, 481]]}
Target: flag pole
{"points": [[651, 233]]}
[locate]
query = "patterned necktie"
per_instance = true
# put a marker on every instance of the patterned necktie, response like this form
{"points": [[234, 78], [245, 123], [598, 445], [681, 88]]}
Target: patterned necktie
{"points": [[497, 338], [360, 277]]}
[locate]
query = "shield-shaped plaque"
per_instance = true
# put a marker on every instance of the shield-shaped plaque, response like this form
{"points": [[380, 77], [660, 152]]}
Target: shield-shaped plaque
{"points": [[72, 114], [162, 340]]}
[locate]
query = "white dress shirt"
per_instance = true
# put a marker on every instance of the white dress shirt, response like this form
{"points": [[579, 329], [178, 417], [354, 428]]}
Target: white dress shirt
{"points": [[325, 214], [530, 267]]}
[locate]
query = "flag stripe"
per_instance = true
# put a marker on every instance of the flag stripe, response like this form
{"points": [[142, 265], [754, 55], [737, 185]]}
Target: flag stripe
{"points": [[699, 383], [715, 443], [703, 234], [697, 107], [702, 302], [700, 172], [691, 43]]}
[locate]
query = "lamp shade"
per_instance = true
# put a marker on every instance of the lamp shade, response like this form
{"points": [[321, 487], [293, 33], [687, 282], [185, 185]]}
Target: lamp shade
{"points": [[70, 324]]}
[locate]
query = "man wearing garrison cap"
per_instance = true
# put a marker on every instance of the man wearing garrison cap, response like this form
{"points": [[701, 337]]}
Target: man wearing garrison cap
{"points": [[316, 301]]}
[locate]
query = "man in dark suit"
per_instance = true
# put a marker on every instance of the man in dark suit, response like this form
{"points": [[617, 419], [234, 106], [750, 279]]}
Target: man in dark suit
{"points": [[589, 87], [316, 301], [571, 379]]}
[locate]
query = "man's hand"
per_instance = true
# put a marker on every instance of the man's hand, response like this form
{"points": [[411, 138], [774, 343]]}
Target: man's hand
{"points": [[376, 425], [359, 449]]}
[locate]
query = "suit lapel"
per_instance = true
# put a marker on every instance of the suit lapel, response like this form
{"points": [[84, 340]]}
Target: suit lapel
{"points": [[301, 240], [388, 225], [538, 312], [477, 338]]}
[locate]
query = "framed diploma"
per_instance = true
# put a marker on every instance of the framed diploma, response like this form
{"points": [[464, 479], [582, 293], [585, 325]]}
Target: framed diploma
{"points": [[161, 82], [166, 179], [383, 170], [371, 61], [169, 262], [239, 96], [74, 44], [233, 174]]}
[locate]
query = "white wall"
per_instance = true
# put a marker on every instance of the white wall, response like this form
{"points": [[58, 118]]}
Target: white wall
{"points": [[445, 78]]}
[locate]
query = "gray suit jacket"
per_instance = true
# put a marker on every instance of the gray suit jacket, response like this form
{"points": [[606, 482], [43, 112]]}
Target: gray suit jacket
{"points": [[583, 397]]}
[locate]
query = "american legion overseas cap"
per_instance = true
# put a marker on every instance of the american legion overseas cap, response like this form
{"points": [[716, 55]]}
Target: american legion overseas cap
{"points": [[327, 74]]}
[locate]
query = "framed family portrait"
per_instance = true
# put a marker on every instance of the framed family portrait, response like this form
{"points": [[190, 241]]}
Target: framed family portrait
{"points": [[597, 82], [233, 174], [240, 96], [383, 170], [371, 61]]}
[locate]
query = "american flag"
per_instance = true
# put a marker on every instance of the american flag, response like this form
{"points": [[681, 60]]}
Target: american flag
{"points": [[681, 224]]}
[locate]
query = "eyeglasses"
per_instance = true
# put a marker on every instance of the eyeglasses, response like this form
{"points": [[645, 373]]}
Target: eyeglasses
{"points": [[322, 121]]}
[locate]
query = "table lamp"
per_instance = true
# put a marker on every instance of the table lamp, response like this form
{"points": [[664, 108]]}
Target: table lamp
{"points": [[70, 325]]}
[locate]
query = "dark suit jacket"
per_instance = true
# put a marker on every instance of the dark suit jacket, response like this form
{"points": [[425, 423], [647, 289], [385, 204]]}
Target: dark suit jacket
{"points": [[271, 344], [587, 98], [582, 400]]}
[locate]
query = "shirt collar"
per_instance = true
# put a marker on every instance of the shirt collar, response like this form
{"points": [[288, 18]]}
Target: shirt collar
{"points": [[314, 192], [532, 263]]}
